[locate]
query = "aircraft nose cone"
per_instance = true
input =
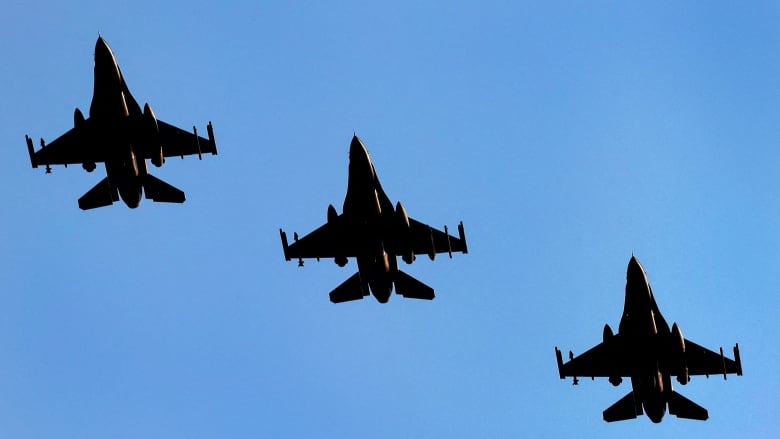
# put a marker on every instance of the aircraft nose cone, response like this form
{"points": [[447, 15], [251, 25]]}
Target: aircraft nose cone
{"points": [[106, 68], [357, 149], [101, 49], [636, 278], [359, 159], [634, 267]]}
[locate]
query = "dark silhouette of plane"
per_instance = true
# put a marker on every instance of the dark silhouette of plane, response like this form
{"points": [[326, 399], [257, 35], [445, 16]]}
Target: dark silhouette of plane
{"points": [[122, 136], [646, 350], [370, 230]]}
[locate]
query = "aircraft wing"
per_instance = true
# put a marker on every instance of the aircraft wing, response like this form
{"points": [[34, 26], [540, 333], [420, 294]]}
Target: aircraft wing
{"points": [[427, 240], [74, 146], [324, 242], [177, 142], [70, 148], [599, 361], [702, 361]]}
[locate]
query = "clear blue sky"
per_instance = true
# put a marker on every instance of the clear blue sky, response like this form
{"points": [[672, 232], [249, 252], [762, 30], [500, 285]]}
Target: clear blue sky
{"points": [[566, 136]]}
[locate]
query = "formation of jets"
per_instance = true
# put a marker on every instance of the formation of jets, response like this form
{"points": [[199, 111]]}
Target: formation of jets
{"points": [[370, 229]]}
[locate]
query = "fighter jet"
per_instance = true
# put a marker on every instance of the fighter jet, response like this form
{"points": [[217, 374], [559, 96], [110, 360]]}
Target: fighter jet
{"points": [[372, 231], [648, 352], [122, 136]]}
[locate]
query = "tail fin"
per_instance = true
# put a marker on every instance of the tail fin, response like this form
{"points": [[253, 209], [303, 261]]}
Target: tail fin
{"points": [[626, 408], [160, 191], [103, 194], [412, 288], [683, 407], [350, 289]]}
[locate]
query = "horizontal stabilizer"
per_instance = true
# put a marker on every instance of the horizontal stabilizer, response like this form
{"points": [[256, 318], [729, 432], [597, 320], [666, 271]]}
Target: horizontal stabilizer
{"points": [[412, 288], [160, 191], [103, 194], [626, 408], [350, 289], [683, 407]]}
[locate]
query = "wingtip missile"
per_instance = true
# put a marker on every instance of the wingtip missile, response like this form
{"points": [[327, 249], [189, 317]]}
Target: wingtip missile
{"points": [[31, 150], [210, 131], [285, 247], [738, 359], [462, 236], [559, 358]]}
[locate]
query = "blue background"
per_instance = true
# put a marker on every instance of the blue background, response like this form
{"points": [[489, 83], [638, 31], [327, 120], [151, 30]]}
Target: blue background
{"points": [[567, 135]]}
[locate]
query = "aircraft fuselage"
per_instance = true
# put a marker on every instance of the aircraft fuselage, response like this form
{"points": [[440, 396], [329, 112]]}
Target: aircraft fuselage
{"points": [[110, 111], [643, 327], [369, 212]]}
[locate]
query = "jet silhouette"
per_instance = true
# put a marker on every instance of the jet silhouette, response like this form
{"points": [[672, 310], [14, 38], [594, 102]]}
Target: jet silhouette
{"points": [[373, 232], [122, 136], [648, 352]]}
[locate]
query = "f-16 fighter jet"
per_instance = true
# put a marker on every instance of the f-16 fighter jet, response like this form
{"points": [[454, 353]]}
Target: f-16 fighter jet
{"points": [[372, 231], [648, 352], [121, 135]]}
